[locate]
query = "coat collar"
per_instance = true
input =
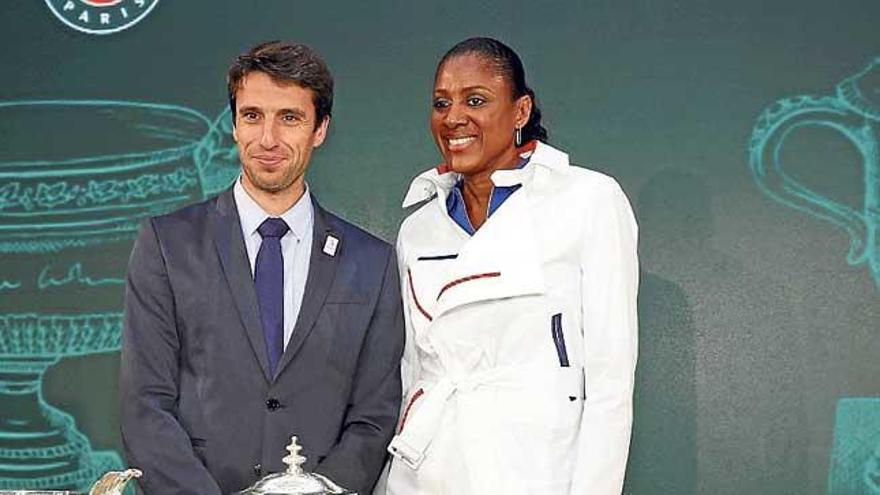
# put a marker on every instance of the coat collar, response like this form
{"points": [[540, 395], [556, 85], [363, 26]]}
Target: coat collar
{"points": [[500, 260], [438, 180]]}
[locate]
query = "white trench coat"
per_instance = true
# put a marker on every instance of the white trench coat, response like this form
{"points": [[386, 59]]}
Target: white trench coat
{"points": [[521, 340]]}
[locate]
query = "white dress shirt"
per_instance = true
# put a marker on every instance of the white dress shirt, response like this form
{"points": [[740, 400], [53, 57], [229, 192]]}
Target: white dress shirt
{"points": [[296, 246]]}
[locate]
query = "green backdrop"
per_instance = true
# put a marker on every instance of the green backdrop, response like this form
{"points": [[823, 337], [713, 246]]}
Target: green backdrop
{"points": [[744, 133]]}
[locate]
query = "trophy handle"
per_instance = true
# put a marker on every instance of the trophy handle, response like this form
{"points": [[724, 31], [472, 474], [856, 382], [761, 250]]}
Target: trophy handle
{"points": [[771, 130], [216, 156], [113, 482]]}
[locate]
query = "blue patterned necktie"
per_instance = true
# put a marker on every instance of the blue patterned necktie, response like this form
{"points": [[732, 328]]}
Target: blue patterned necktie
{"points": [[269, 282]]}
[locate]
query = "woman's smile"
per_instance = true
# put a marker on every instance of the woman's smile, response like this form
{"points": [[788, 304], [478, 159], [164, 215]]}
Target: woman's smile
{"points": [[459, 143]]}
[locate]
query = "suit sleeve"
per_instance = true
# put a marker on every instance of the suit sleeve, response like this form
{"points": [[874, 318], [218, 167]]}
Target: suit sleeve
{"points": [[153, 439], [609, 287], [357, 459]]}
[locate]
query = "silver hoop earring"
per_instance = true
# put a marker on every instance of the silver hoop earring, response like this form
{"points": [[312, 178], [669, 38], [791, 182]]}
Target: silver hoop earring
{"points": [[518, 137]]}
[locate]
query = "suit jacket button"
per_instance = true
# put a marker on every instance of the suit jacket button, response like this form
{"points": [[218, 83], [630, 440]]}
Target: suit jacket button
{"points": [[258, 469], [272, 404]]}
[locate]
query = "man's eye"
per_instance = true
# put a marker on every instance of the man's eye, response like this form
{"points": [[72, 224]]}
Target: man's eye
{"points": [[250, 116], [475, 101], [440, 104]]}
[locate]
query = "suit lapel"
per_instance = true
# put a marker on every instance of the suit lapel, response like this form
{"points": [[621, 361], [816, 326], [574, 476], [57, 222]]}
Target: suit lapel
{"points": [[226, 228], [322, 268]]}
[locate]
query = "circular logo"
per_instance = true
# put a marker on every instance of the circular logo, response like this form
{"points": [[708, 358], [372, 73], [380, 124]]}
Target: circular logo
{"points": [[101, 16]]}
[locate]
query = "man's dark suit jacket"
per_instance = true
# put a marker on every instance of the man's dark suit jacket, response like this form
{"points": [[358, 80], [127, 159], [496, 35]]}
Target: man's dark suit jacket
{"points": [[200, 413]]}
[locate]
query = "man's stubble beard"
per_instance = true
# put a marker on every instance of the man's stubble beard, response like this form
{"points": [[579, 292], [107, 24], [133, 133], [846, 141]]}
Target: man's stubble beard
{"points": [[274, 187]]}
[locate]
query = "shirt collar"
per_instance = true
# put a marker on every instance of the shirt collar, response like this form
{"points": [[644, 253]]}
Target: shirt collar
{"points": [[298, 217]]}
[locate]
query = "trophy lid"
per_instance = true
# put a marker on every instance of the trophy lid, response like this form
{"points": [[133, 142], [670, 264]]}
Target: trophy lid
{"points": [[294, 481]]}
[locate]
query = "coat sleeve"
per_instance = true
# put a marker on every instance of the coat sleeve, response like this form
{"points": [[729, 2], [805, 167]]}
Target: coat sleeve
{"points": [[409, 364], [153, 439], [357, 459], [609, 287]]}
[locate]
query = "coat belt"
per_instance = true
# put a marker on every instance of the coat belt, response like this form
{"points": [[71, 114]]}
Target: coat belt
{"points": [[411, 443]]}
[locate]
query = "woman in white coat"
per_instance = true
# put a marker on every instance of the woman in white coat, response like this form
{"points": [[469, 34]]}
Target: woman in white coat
{"points": [[519, 282]]}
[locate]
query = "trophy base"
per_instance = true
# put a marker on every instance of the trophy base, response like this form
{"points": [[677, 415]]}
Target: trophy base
{"points": [[40, 446], [91, 466]]}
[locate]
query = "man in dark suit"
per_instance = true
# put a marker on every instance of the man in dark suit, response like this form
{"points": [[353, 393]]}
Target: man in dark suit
{"points": [[258, 315]]}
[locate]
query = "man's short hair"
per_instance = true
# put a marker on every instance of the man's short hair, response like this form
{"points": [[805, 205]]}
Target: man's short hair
{"points": [[285, 62]]}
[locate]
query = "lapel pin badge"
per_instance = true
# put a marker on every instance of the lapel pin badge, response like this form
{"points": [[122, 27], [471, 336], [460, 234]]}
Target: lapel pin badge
{"points": [[330, 245]]}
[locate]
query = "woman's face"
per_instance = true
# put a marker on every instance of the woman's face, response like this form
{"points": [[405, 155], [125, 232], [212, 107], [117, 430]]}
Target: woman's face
{"points": [[474, 115]]}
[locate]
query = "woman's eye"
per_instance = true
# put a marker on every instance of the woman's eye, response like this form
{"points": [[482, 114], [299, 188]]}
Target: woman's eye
{"points": [[440, 104], [475, 101]]}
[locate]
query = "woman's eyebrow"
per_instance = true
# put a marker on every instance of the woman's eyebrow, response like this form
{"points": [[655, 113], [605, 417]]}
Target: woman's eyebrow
{"points": [[465, 89], [476, 87]]}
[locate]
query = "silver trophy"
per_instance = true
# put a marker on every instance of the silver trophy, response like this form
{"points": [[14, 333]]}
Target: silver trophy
{"points": [[295, 481]]}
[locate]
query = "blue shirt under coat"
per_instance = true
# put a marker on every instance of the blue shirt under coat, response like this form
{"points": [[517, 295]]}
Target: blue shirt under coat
{"points": [[457, 209]]}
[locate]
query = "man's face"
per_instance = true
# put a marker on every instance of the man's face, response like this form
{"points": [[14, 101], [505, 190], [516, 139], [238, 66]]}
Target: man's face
{"points": [[275, 132]]}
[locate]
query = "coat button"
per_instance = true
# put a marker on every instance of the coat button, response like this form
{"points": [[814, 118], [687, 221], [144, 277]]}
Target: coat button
{"points": [[258, 470], [272, 404]]}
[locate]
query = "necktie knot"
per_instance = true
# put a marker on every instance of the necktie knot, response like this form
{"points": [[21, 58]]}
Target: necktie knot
{"points": [[273, 227]]}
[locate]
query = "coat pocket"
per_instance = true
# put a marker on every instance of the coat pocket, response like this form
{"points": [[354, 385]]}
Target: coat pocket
{"points": [[559, 339]]}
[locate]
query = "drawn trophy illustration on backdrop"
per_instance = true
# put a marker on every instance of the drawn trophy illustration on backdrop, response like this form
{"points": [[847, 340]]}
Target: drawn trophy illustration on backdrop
{"points": [[76, 179], [854, 112], [856, 438]]}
